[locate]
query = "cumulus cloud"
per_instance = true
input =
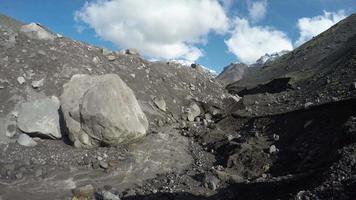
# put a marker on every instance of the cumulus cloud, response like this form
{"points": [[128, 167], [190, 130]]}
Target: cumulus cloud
{"points": [[227, 4], [310, 27], [257, 10], [157, 28], [249, 43]]}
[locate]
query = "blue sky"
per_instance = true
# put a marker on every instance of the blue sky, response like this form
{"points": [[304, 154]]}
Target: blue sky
{"points": [[215, 34]]}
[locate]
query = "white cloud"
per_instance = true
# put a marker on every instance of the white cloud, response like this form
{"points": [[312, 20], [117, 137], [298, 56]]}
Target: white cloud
{"points": [[227, 4], [257, 10], [249, 43], [310, 27], [157, 28]]}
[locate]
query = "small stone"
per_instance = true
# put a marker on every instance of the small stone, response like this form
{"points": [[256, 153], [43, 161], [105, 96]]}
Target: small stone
{"points": [[86, 191], [19, 175], [111, 57], [192, 87], [273, 149], [38, 172], [59, 35], [334, 99], [193, 65], [160, 103], [110, 196], [41, 52], [132, 51], [96, 60], [205, 122], [21, 80], [354, 85], [211, 182], [133, 75], [37, 84], [103, 164], [308, 105], [84, 138], [275, 137], [26, 140], [106, 52], [193, 111]]}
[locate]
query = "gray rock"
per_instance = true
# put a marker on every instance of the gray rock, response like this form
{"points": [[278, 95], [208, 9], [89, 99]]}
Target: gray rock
{"points": [[103, 164], [110, 196], [111, 57], [106, 52], [21, 80], [193, 111], [160, 103], [275, 137], [308, 105], [38, 172], [211, 182], [96, 60], [38, 84], [273, 149], [9, 126], [103, 109], [132, 51], [36, 31], [26, 140], [41, 52], [40, 117]]}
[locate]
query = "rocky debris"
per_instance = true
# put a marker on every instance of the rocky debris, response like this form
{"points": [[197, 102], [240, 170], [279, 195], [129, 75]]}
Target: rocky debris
{"points": [[26, 140], [38, 84], [84, 192], [193, 111], [21, 80], [218, 154], [103, 109], [40, 117], [36, 31], [160, 103]]}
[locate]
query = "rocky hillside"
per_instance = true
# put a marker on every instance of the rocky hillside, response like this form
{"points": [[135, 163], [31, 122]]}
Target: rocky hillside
{"points": [[232, 73], [236, 71], [83, 122]]}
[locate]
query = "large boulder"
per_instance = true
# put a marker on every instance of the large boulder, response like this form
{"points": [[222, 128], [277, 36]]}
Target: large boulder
{"points": [[101, 110], [40, 117], [36, 31]]}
